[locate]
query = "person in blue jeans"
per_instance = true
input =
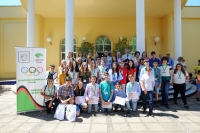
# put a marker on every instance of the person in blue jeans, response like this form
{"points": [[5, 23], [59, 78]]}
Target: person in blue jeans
{"points": [[106, 92], [132, 86], [120, 93], [166, 76], [157, 84], [147, 84]]}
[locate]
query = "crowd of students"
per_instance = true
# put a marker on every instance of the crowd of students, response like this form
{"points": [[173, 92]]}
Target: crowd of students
{"points": [[106, 78]]}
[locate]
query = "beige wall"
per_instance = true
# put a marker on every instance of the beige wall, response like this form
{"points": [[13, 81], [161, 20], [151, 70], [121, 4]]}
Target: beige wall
{"points": [[191, 42], [12, 33], [93, 27]]}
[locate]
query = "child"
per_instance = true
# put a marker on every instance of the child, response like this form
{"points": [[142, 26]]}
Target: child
{"points": [[79, 91], [198, 86], [114, 73], [157, 81], [120, 93], [106, 92], [92, 90], [147, 83], [51, 72], [132, 86]]}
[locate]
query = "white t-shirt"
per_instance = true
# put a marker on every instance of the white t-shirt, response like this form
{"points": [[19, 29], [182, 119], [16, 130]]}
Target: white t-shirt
{"points": [[148, 81], [102, 70], [179, 77], [164, 70]]}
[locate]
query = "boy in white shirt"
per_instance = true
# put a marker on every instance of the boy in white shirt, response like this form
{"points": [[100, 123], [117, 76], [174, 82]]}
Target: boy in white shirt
{"points": [[147, 84]]}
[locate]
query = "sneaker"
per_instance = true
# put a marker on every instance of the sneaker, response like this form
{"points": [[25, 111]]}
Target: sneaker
{"points": [[175, 102], [186, 106], [144, 111], [115, 110], [167, 106], [197, 99], [162, 104], [122, 109]]}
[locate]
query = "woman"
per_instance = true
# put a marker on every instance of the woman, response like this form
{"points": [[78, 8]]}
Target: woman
{"points": [[180, 79], [62, 77], [49, 94], [80, 55], [114, 59], [69, 56], [131, 69], [88, 60], [136, 59], [144, 56], [114, 74], [74, 71], [79, 91], [79, 62], [94, 70], [84, 73], [63, 65]]}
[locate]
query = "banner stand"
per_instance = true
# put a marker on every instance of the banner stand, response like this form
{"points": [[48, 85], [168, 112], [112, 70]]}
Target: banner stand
{"points": [[30, 78]]}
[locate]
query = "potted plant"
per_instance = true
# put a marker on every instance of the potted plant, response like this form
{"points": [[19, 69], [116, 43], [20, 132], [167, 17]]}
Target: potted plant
{"points": [[120, 46], [86, 47]]}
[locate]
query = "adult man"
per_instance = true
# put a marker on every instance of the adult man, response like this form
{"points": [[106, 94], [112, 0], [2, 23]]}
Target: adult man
{"points": [[127, 55], [108, 58], [118, 57], [51, 72], [151, 61], [170, 60], [106, 93]]}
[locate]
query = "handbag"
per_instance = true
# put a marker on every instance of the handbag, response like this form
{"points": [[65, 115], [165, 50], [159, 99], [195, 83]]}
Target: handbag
{"points": [[71, 112], [60, 112]]}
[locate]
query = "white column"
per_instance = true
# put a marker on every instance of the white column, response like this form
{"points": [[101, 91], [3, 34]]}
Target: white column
{"points": [[140, 25], [69, 27], [177, 29], [31, 23]]}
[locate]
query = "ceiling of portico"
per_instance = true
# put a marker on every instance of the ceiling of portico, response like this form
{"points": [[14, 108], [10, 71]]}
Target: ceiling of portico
{"points": [[102, 8]]}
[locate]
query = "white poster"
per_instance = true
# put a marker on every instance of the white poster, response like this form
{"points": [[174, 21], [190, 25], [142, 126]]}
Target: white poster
{"points": [[119, 100], [30, 77]]}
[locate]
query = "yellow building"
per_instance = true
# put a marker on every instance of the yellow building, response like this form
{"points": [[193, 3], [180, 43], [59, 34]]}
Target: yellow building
{"points": [[177, 26]]}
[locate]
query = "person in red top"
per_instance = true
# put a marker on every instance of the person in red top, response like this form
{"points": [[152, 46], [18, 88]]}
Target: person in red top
{"points": [[124, 72], [131, 69]]}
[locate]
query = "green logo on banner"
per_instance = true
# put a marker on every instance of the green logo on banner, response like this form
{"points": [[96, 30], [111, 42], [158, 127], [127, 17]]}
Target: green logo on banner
{"points": [[38, 55]]}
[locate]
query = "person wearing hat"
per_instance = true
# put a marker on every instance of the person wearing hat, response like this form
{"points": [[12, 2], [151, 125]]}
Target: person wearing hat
{"points": [[66, 92], [49, 94], [143, 70]]}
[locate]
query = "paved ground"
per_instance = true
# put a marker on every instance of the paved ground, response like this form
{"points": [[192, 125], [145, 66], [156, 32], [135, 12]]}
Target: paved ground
{"points": [[174, 120]]}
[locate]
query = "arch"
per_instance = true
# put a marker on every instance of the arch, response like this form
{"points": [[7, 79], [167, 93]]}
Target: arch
{"points": [[102, 43], [62, 48]]}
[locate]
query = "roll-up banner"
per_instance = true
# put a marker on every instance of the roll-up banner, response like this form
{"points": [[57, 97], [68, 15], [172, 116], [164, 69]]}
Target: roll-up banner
{"points": [[30, 77]]}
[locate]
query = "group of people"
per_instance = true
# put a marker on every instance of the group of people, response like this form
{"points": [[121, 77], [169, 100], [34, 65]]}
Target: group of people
{"points": [[103, 80]]}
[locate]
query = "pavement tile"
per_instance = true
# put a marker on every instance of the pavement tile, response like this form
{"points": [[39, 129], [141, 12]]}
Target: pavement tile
{"points": [[7, 118], [121, 127], [138, 127], [47, 127], [148, 119], [98, 128], [25, 127], [65, 128], [118, 119], [34, 120], [183, 119], [2, 124], [163, 119], [10, 127], [133, 119], [99, 120], [20, 119], [193, 126], [155, 127], [81, 128], [171, 127], [194, 118]]}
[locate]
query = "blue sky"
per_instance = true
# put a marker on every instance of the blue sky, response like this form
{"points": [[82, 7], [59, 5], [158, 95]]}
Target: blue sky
{"points": [[17, 2]]}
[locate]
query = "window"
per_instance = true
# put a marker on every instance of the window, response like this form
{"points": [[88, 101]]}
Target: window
{"points": [[63, 49], [103, 43], [133, 45]]}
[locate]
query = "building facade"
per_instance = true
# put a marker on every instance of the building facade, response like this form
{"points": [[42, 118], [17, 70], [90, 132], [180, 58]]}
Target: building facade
{"points": [[102, 23]]}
